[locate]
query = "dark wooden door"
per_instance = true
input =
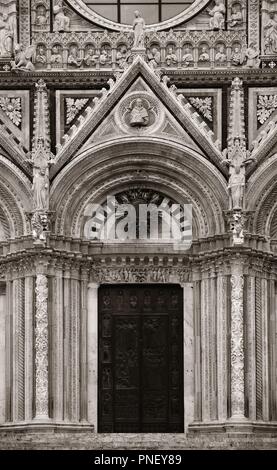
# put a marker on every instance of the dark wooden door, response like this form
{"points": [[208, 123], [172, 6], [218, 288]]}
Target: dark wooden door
{"points": [[140, 358]]}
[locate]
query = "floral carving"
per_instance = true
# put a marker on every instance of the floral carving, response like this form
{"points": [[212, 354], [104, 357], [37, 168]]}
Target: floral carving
{"points": [[73, 107], [12, 108], [41, 346], [265, 107], [203, 105]]}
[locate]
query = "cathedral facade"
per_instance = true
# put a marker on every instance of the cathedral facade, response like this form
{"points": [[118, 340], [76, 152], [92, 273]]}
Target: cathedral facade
{"points": [[152, 103]]}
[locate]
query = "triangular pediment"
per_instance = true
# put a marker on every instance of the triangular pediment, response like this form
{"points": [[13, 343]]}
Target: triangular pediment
{"points": [[163, 112], [160, 122]]}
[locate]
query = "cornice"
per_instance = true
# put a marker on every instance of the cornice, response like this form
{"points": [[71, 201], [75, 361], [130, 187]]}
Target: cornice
{"points": [[99, 77]]}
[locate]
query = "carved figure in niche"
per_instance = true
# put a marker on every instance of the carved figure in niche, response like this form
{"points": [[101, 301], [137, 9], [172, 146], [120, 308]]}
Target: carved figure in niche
{"points": [[41, 189], [237, 57], [154, 57], [61, 21], [187, 58], [138, 28], [56, 57], [133, 301], [238, 159], [73, 58], [122, 56], [204, 56], [6, 36], [41, 55], [218, 15], [23, 59], [220, 56], [270, 34], [171, 57], [105, 57], [252, 55], [138, 115], [236, 15], [41, 15], [91, 58]]}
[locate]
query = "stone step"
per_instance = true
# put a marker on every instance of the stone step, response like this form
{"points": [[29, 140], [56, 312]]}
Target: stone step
{"points": [[90, 441]]}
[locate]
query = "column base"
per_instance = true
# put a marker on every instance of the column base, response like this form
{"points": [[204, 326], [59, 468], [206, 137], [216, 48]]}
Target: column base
{"points": [[46, 426], [233, 427]]}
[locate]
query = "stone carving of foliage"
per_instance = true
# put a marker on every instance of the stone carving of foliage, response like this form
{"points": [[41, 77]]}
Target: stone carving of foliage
{"points": [[73, 106], [12, 108], [265, 107], [203, 105]]}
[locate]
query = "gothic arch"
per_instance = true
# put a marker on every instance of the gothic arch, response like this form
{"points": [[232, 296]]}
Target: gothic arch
{"points": [[261, 196], [177, 171], [15, 199]]}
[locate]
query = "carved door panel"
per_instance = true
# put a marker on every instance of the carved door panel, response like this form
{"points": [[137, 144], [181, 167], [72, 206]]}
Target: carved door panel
{"points": [[141, 359]]}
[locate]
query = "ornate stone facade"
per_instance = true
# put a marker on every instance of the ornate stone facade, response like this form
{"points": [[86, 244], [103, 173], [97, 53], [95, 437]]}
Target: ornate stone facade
{"points": [[179, 112]]}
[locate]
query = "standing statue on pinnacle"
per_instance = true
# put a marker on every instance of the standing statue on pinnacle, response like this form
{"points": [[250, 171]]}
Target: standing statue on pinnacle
{"points": [[138, 27]]}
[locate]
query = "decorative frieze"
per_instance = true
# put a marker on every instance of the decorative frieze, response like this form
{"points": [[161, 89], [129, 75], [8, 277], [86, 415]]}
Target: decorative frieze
{"points": [[104, 50]]}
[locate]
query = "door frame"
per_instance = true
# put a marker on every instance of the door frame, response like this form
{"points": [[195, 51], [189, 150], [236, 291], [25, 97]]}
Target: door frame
{"points": [[92, 357]]}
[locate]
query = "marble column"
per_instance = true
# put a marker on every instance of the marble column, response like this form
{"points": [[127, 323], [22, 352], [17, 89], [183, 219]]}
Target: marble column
{"points": [[92, 339], [237, 343], [41, 347]]}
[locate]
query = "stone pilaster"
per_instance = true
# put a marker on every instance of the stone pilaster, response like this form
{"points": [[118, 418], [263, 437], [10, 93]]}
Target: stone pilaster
{"points": [[237, 343], [41, 346], [92, 337]]}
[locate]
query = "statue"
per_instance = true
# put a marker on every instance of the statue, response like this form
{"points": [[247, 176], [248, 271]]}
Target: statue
{"points": [[41, 15], [270, 35], [220, 56], [218, 15], [91, 58], [204, 56], [171, 57], [6, 37], [238, 159], [40, 189], [252, 56], [61, 22], [41, 56], [187, 58], [73, 58], [236, 15], [138, 27], [23, 58], [40, 225], [122, 56], [138, 114], [105, 57], [237, 221], [154, 57], [237, 57], [56, 57]]}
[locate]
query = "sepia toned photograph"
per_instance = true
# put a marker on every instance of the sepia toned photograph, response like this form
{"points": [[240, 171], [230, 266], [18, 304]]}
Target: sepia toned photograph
{"points": [[138, 227]]}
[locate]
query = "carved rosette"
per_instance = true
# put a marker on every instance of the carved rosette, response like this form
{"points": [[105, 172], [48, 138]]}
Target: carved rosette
{"points": [[237, 348], [41, 347]]}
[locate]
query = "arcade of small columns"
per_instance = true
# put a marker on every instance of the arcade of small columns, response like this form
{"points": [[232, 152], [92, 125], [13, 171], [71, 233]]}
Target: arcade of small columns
{"points": [[49, 348]]}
